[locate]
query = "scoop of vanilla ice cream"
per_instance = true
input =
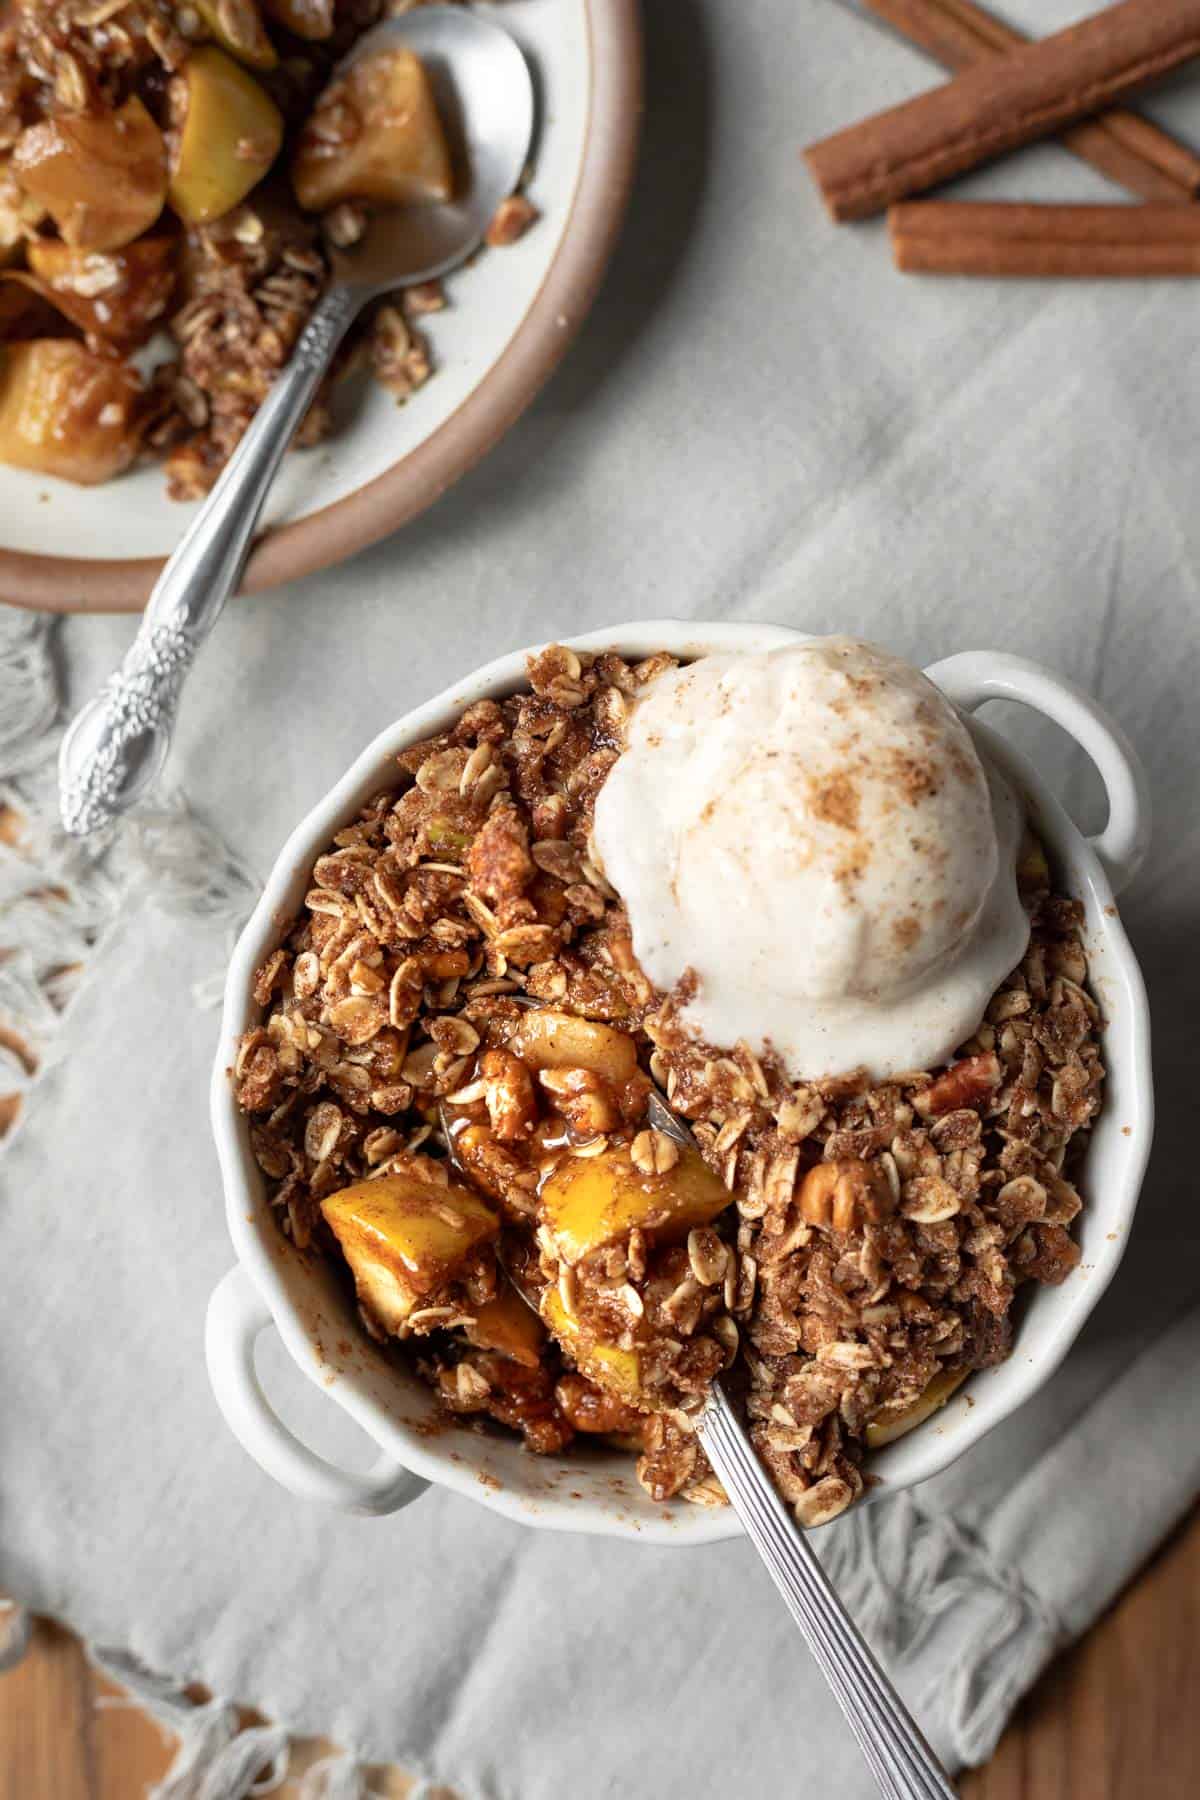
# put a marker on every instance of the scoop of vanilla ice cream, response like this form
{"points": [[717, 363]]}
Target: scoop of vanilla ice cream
{"points": [[811, 833]]}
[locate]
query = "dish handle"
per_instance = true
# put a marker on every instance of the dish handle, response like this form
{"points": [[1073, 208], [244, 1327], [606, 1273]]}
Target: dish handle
{"points": [[978, 675], [237, 1317]]}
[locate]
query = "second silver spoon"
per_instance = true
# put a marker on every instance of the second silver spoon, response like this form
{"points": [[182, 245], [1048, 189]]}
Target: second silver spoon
{"points": [[118, 743]]}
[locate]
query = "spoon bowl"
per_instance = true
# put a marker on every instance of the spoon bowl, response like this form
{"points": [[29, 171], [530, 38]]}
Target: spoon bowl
{"points": [[484, 93]]}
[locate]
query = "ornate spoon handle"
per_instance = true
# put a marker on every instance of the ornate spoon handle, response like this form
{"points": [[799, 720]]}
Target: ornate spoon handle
{"points": [[898, 1756], [117, 744]]}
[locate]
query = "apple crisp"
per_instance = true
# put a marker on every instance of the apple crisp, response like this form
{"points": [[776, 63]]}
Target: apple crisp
{"points": [[174, 176], [448, 1093]]}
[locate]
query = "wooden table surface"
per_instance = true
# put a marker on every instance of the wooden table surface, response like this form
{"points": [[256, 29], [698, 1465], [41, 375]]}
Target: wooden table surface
{"points": [[1116, 1718]]}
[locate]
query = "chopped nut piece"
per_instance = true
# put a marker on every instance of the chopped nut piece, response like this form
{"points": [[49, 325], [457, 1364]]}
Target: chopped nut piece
{"points": [[966, 1083], [845, 1195], [583, 1099], [512, 220], [399, 355], [508, 1091]]}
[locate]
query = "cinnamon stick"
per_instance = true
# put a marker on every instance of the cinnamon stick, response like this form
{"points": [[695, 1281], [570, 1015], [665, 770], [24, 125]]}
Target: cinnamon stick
{"points": [[1031, 92], [960, 237], [1121, 145]]}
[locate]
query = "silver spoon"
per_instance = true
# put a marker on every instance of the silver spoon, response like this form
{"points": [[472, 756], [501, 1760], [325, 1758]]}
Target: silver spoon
{"points": [[897, 1754], [118, 743]]}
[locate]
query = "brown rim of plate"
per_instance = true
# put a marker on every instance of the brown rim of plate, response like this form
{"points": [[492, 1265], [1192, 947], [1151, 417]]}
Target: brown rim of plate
{"points": [[99, 585]]}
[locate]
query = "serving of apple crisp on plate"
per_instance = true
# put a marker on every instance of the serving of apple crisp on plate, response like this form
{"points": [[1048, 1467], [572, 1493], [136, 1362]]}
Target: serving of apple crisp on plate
{"points": [[786, 890], [181, 171], [217, 301]]}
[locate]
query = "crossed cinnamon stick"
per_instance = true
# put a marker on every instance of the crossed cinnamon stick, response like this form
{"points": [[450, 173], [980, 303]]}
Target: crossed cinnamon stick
{"points": [[1122, 145], [1010, 92]]}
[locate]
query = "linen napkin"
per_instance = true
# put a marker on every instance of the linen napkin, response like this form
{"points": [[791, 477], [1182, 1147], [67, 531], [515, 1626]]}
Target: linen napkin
{"points": [[761, 420]]}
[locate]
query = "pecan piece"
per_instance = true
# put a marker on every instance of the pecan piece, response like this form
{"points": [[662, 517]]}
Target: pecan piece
{"points": [[512, 220], [584, 1099], [965, 1083], [508, 1095], [846, 1194]]}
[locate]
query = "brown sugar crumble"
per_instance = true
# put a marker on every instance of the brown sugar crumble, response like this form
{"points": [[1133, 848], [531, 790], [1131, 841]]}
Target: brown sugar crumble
{"points": [[848, 1245]]}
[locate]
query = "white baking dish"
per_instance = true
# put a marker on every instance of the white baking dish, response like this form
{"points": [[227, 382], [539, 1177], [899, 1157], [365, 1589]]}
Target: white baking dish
{"points": [[275, 1285]]}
